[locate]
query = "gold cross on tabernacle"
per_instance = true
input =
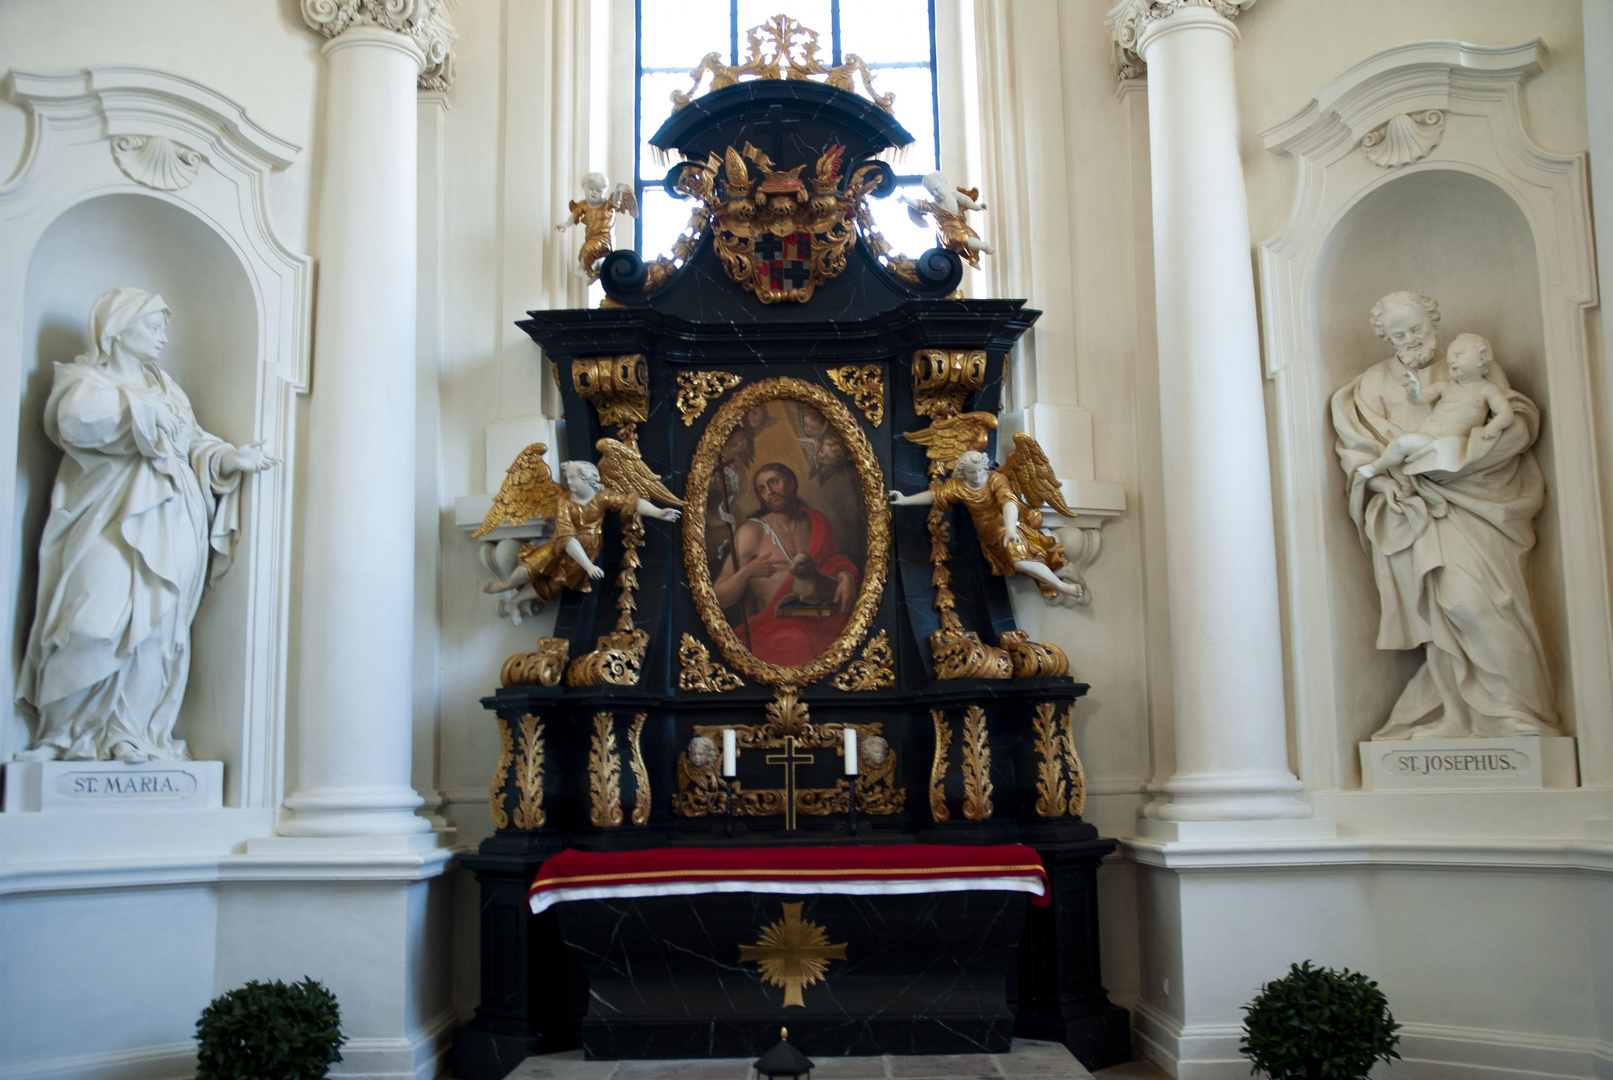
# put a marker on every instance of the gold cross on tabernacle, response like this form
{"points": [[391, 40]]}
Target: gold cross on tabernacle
{"points": [[793, 954], [789, 760]]}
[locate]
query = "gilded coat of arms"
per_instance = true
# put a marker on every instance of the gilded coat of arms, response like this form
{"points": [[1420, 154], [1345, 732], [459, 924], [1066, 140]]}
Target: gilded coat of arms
{"points": [[776, 234]]}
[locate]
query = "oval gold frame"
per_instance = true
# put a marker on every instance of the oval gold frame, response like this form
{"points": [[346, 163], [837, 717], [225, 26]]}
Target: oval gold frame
{"points": [[876, 569]]}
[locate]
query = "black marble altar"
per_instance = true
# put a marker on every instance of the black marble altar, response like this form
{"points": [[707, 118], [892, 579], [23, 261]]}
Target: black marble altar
{"points": [[950, 983], [923, 974]]}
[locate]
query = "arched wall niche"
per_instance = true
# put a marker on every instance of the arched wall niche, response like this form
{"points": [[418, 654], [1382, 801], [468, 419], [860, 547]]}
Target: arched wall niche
{"points": [[76, 221], [145, 242], [1498, 231], [1465, 242]]}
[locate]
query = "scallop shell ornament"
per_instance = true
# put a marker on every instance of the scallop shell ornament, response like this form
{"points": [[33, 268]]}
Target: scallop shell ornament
{"points": [[1404, 138], [156, 161]]}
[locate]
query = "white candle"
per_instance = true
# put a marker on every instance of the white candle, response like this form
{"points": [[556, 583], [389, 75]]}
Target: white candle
{"points": [[851, 751], [730, 764]]}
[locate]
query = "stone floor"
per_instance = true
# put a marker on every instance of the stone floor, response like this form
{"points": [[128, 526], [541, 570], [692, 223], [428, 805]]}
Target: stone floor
{"points": [[1030, 1060]]}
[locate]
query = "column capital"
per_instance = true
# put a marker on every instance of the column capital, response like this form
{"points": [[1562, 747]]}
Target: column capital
{"points": [[1128, 19], [422, 21]]}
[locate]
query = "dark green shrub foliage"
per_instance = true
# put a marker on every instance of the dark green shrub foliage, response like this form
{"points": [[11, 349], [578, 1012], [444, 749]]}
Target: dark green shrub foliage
{"points": [[269, 1031], [1319, 1024]]}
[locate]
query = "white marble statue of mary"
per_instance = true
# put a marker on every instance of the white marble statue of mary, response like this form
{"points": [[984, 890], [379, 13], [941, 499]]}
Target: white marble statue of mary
{"points": [[143, 498]]}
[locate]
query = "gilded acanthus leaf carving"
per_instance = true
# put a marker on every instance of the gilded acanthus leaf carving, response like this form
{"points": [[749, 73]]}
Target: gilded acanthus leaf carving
{"points": [[529, 812], [938, 766], [697, 389], [604, 775], [641, 775], [977, 786], [501, 773], [865, 385], [698, 672]]}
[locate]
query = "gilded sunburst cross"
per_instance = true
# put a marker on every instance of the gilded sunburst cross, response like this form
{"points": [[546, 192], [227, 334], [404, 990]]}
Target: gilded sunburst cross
{"points": [[793, 954]]}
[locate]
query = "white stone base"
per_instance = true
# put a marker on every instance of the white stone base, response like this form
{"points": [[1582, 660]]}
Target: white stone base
{"points": [[80, 786], [1522, 763]]}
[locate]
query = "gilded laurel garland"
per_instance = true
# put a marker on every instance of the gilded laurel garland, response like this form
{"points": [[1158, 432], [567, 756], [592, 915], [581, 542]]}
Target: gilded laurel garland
{"points": [[618, 657], [501, 772], [956, 653], [1078, 775], [604, 775], [976, 766], [641, 775], [938, 766], [875, 671], [529, 779], [1050, 795], [697, 389], [870, 476], [865, 385], [781, 48], [698, 672]]}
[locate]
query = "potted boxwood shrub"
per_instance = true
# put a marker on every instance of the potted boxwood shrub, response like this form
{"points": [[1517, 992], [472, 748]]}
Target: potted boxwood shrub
{"points": [[1319, 1024], [269, 1031]]}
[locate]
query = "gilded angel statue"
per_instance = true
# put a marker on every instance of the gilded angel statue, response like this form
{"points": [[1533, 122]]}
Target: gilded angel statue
{"points": [[1004, 505], [578, 505], [597, 214], [947, 206]]}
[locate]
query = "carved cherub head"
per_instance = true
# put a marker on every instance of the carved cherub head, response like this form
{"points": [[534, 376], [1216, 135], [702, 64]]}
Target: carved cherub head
{"points": [[972, 468], [702, 751], [873, 750], [581, 479], [593, 188], [1469, 357]]}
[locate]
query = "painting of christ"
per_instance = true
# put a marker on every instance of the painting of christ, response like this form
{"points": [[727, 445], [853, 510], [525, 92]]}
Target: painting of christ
{"points": [[788, 537]]}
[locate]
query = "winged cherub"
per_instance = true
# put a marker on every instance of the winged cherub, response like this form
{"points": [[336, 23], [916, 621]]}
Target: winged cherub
{"points": [[1004, 506], [597, 214], [587, 492], [947, 206]]}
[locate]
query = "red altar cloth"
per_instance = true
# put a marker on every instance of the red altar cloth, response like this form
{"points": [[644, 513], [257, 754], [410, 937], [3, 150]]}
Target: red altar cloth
{"points": [[898, 868]]}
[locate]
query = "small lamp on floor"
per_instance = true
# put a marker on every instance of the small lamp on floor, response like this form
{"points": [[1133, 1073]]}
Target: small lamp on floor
{"points": [[784, 1062]]}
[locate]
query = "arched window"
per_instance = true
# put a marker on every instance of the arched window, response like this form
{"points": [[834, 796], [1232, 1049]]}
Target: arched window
{"points": [[896, 38]]}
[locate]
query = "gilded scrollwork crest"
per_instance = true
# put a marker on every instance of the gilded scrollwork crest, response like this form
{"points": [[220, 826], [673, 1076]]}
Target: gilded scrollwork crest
{"points": [[697, 671], [874, 671], [865, 385], [779, 236], [781, 48], [697, 389]]}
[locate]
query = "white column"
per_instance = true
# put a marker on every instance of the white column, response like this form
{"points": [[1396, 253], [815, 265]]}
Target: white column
{"points": [[1221, 552], [355, 686]]}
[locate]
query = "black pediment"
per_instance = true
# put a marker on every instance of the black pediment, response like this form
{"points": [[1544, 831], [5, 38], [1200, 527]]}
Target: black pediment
{"points": [[793, 120]]}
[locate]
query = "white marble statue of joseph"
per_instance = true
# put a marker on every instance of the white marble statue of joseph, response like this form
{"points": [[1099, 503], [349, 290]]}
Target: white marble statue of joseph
{"points": [[142, 498]]}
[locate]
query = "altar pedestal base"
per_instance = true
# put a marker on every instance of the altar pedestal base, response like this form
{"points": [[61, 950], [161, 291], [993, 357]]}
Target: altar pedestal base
{"points": [[526, 1003], [688, 976]]}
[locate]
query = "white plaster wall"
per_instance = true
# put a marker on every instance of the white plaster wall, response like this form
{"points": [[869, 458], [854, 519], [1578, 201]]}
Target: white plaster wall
{"points": [[104, 983]]}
